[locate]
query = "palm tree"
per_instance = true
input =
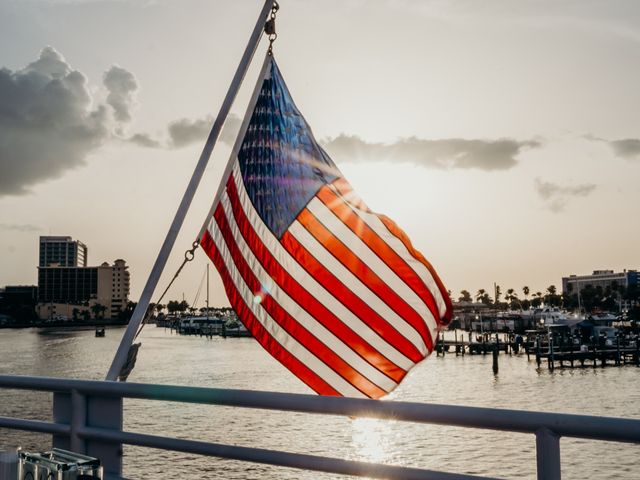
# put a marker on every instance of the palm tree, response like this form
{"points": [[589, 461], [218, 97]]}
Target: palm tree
{"points": [[96, 308], [465, 296], [480, 295], [509, 296], [525, 290], [513, 299], [173, 306], [552, 298], [537, 299], [183, 306]]}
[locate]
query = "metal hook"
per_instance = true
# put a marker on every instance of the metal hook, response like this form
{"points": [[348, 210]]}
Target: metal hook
{"points": [[270, 27], [191, 253]]}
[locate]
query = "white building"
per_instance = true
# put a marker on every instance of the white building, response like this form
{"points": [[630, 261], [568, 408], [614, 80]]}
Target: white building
{"points": [[70, 291]]}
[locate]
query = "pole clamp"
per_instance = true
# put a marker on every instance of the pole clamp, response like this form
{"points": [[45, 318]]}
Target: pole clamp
{"points": [[270, 27]]}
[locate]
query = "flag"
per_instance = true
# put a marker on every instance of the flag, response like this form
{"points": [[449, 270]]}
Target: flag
{"points": [[332, 290]]}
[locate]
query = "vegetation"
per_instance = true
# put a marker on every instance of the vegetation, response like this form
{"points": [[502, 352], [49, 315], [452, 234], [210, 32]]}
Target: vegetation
{"points": [[465, 296], [483, 297], [98, 310], [597, 298], [175, 306], [125, 315], [590, 299]]}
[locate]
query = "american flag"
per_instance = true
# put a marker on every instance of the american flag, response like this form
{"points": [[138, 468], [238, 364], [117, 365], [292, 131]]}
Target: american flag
{"points": [[333, 291]]}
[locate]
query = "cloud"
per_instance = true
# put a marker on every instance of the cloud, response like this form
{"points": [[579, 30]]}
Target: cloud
{"points": [[49, 121], [444, 153], [19, 227], [556, 197], [144, 140], [628, 148], [184, 131], [122, 86]]}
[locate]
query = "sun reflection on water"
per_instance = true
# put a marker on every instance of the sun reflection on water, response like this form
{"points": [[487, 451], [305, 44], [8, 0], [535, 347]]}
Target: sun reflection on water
{"points": [[370, 439]]}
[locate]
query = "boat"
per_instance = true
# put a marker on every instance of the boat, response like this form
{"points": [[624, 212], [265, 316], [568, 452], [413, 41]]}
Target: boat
{"points": [[234, 328], [555, 317], [196, 325]]}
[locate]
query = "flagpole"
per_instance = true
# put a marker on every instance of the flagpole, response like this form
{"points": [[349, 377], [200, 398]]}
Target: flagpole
{"points": [[138, 314]]}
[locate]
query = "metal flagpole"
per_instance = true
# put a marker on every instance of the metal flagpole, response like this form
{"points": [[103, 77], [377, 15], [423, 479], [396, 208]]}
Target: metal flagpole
{"points": [[138, 314]]}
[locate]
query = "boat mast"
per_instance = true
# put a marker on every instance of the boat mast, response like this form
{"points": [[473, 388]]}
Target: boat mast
{"points": [[137, 317], [207, 290]]}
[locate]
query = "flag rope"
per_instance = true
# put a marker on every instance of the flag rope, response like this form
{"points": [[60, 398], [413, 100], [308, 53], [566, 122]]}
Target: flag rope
{"points": [[189, 255]]}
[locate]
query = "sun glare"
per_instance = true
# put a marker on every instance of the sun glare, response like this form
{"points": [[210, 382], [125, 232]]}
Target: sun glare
{"points": [[371, 439]]}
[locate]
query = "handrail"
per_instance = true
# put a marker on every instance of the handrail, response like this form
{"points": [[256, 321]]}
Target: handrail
{"points": [[273, 457], [547, 427], [520, 421], [34, 426]]}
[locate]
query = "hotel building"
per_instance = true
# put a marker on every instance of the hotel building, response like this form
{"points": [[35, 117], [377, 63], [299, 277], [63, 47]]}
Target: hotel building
{"points": [[62, 251], [600, 278], [67, 287]]}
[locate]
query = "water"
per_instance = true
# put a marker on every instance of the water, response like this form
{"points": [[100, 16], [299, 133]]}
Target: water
{"points": [[241, 363]]}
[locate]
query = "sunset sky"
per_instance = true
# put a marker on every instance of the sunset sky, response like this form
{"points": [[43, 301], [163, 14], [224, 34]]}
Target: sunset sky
{"points": [[503, 136]]}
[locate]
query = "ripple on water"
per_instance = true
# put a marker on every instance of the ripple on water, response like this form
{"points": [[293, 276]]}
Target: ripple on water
{"points": [[241, 363]]}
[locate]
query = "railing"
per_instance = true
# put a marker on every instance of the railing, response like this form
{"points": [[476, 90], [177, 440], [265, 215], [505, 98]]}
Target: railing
{"points": [[87, 418]]}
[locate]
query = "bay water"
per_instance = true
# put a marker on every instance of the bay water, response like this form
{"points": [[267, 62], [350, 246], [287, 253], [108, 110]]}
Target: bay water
{"points": [[167, 358]]}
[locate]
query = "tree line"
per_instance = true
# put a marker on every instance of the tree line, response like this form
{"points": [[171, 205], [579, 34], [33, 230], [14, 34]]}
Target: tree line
{"points": [[181, 307], [590, 297]]}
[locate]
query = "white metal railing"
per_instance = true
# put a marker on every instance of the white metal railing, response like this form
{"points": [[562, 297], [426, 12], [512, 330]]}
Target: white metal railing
{"points": [[88, 414]]}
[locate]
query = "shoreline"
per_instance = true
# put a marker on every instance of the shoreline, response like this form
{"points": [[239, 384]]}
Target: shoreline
{"points": [[58, 324]]}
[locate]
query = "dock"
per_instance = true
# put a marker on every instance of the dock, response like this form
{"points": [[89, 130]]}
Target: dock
{"points": [[623, 353], [555, 351], [482, 344]]}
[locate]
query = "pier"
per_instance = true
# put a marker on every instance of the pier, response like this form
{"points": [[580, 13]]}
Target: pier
{"points": [[481, 344], [556, 351], [568, 355]]}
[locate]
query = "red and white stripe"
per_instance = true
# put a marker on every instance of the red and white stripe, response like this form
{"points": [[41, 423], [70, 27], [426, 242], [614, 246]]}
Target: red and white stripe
{"points": [[342, 299]]}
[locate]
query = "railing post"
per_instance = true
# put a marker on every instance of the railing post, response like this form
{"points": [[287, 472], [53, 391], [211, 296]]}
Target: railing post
{"points": [[61, 414], [548, 454], [79, 411], [105, 412], [78, 420]]}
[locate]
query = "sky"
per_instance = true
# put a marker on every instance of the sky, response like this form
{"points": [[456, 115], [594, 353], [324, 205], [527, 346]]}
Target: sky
{"points": [[502, 136]]}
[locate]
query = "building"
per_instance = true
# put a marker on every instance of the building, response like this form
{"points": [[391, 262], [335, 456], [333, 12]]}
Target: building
{"points": [[69, 292], [601, 278], [18, 303], [19, 295], [63, 251]]}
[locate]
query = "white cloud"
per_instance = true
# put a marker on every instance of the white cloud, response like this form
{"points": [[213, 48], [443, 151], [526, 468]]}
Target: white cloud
{"points": [[556, 197], [49, 122], [446, 153]]}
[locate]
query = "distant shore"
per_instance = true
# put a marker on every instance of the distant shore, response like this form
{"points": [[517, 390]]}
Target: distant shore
{"points": [[97, 322]]}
